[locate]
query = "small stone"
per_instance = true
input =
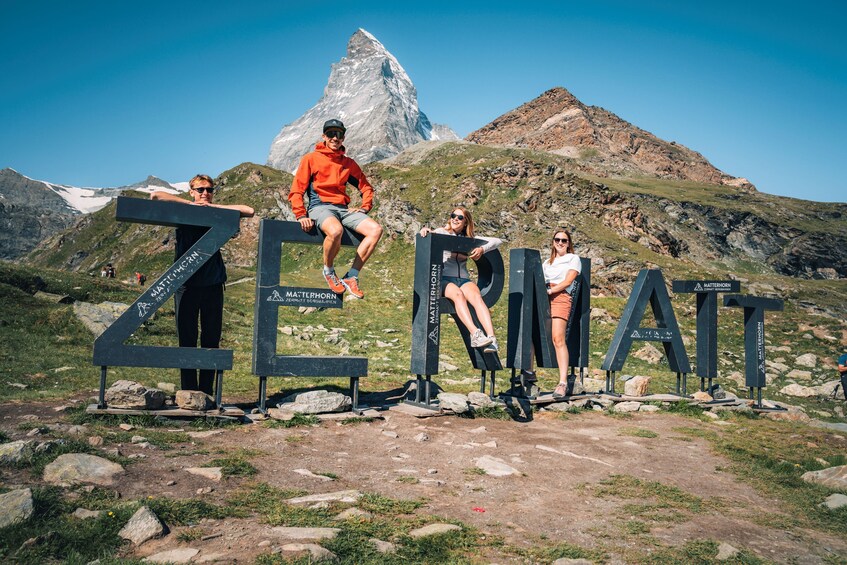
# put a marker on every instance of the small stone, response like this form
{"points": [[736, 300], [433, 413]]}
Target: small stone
{"points": [[648, 408], [421, 437], [204, 434], [316, 552], [432, 471], [630, 406], [491, 443], [701, 396], [433, 529], [126, 427], [799, 375], [288, 532], [383, 546], [166, 387], [808, 360], [455, 402], [84, 514], [34, 432], [95, 441], [495, 467], [834, 501], [134, 396], [354, 512], [170, 483], [15, 506], [725, 551], [390, 434], [833, 477], [636, 386], [138, 439], [311, 475], [193, 400], [480, 400], [205, 490], [213, 473], [143, 525], [14, 451]]}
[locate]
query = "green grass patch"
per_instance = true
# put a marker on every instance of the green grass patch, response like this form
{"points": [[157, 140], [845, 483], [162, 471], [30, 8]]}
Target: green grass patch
{"points": [[637, 432], [383, 505], [355, 421], [188, 512], [190, 534], [297, 421], [492, 413], [407, 479], [235, 464]]}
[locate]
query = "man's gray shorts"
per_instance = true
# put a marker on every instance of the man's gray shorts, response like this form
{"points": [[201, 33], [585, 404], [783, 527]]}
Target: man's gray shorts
{"points": [[349, 220]]}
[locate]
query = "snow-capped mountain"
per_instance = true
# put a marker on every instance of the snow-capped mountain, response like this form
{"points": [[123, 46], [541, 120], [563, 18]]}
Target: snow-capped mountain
{"points": [[32, 210], [371, 93]]}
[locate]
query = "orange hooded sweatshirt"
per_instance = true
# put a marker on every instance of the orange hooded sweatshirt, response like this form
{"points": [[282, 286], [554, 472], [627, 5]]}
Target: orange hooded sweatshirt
{"points": [[322, 176]]}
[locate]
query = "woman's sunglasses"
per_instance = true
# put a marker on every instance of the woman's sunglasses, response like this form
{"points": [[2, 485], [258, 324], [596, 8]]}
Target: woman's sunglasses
{"points": [[456, 217], [560, 239], [202, 189]]}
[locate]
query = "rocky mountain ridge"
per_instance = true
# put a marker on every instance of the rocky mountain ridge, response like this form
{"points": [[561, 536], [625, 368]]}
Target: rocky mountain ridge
{"points": [[372, 94], [556, 121]]}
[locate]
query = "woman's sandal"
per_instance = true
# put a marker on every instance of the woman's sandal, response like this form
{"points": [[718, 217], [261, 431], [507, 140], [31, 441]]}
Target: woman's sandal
{"points": [[561, 390]]}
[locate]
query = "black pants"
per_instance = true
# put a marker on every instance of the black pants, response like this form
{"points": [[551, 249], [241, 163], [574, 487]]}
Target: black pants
{"points": [[844, 385], [207, 304]]}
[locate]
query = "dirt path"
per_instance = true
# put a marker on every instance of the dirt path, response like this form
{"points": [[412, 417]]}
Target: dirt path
{"points": [[563, 465]]}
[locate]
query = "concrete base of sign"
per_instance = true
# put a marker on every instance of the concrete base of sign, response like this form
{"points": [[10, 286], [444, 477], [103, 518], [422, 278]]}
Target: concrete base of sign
{"points": [[547, 398], [412, 410], [225, 412]]}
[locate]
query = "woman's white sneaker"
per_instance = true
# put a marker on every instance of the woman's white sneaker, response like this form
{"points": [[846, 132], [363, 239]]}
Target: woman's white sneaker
{"points": [[479, 339]]}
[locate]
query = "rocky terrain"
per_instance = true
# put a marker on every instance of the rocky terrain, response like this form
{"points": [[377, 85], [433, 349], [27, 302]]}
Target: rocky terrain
{"points": [[372, 94], [558, 122]]}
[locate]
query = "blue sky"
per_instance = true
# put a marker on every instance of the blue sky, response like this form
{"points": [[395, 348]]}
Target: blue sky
{"points": [[103, 94]]}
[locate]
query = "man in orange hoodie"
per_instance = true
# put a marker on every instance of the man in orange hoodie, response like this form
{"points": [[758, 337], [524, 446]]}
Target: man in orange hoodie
{"points": [[319, 197]]}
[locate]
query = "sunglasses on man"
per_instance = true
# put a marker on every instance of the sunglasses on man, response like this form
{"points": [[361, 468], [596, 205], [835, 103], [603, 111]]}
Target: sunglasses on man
{"points": [[334, 133], [202, 189]]}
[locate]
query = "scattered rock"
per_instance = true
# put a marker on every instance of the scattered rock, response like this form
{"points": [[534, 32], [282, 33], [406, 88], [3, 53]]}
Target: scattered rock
{"points": [[315, 402], [636, 386], [799, 390], [204, 434], [390, 433], [629, 406], [353, 512], [193, 400], [788, 416], [166, 387], [84, 514], [433, 529], [480, 400], [15, 506], [833, 477], [311, 475], [701, 396], [649, 353], [288, 532], [455, 402], [383, 546], [421, 437], [648, 408], [126, 427], [73, 468], [181, 555], [834, 501], [14, 451], [799, 375], [131, 395], [213, 473], [807, 360], [317, 552], [348, 496], [95, 441], [495, 467], [725, 551], [143, 525]]}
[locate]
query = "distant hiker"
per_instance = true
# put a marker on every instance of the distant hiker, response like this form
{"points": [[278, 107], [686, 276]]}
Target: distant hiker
{"points": [[110, 271], [138, 277], [456, 284], [842, 370], [318, 196], [104, 272], [142, 279], [202, 295], [560, 272]]}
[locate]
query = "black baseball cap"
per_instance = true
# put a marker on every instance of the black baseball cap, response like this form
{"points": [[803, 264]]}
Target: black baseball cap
{"points": [[334, 124]]}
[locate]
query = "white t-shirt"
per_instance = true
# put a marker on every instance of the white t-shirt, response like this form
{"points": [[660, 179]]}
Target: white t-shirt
{"points": [[556, 273]]}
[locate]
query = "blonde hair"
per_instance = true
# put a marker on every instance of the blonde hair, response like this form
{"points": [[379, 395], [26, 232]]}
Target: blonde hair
{"points": [[553, 253], [469, 229], [199, 178]]}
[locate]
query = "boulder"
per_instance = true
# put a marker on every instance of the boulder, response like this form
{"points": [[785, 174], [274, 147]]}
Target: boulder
{"points": [[457, 403], [383, 546], [75, 468], [701, 396], [799, 375], [14, 451], [833, 477], [193, 400], [143, 525], [807, 360], [15, 506], [98, 317], [725, 551], [316, 552], [315, 402], [212, 473], [636, 386], [180, 555], [834, 501], [131, 395], [287, 532], [649, 353], [480, 400]]}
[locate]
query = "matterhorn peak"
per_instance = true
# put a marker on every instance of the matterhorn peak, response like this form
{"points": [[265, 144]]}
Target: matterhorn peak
{"points": [[371, 93]]}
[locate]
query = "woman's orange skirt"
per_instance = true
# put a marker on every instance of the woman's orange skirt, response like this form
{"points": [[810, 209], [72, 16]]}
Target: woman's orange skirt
{"points": [[560, 305]]}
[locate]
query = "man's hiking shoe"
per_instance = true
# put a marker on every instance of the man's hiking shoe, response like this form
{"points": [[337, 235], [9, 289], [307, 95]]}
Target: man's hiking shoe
{"points": [[491, 347], [352, 284], [479, 339], [333, 282]]}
